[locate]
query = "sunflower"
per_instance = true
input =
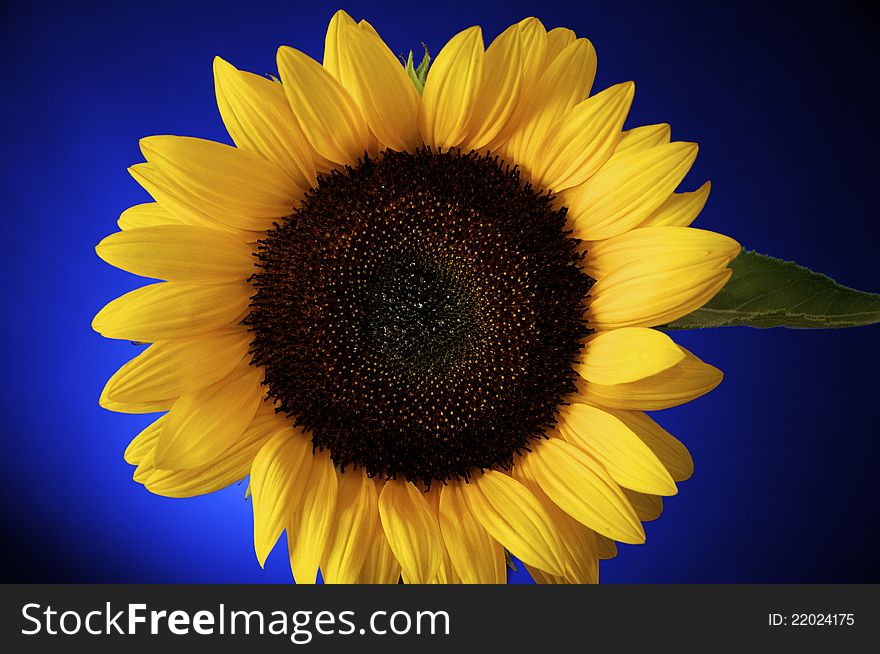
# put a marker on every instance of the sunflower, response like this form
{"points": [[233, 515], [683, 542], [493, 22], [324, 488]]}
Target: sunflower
{"points": [[419, 313]]}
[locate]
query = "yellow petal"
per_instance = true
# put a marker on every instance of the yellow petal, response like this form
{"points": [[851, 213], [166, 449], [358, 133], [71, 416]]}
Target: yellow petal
{"points": [[647, 507], [144, 442], [412, 531], [230, 466], [681, 209], [151, 406], [380, 85], [582, 488], [171, 198], [201, 480], [236, 188], [534, 46], [380, 565], [173, 310], [259, 120], [203, 423], [353, 530], [447, 573], [185, 253], [624, 355], [672, 246], [535, 50], [145, 469], [496, 102], [688, 380], [665, 446], [566, 69], [648, 293], [333, 42], [176, 201], [311, 519], [606, 548], [513, 516], [476, 556], [558, 39], [172, 368], [148, 214], [627, 189], [329, 117], [643, 138], [278, 478], [579, 558], [367, 27], [565, 83], [451, 89], [581, 140], [625, 457]]}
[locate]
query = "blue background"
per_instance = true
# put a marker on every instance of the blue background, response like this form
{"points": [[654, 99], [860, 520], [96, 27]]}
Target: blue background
{"points": [[783, 101]]}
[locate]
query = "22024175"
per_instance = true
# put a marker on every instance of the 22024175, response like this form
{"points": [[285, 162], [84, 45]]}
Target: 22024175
{"points": [[811, 620]]}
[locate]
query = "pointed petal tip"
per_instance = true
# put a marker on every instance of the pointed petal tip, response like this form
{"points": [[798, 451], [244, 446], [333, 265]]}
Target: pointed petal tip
{"points": [[641, 538], [98, 324], [531, 24], [148, 146], [367, 26], [713, 375], [263, 548], [222, 68], [620, 92], [286, 52], [689, 148], [343, 15], [734, 250], [667, 488]]}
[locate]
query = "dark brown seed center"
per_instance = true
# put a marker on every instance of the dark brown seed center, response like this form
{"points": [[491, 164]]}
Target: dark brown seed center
{"points": [[419, 314]]}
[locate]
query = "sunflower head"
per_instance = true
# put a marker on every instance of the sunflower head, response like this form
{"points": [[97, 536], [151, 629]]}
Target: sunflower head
{"points": [[418, 308]]}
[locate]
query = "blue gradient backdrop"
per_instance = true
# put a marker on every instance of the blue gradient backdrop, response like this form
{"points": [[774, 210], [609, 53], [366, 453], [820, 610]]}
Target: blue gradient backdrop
{"points": [[783, 101]]}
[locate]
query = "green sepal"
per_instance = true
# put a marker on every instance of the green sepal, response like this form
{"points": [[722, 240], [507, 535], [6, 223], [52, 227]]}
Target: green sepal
{"points": [[420, 74], [509, 559], [768, 292]]}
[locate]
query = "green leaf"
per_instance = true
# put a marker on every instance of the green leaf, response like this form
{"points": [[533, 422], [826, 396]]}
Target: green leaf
{"points": [[420, 74], [768, 292]]}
